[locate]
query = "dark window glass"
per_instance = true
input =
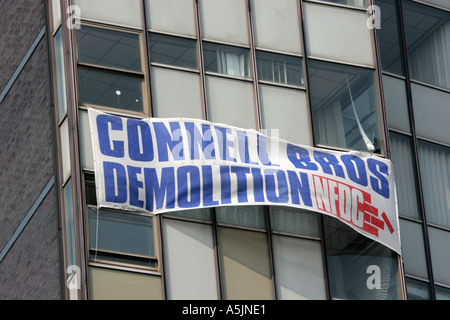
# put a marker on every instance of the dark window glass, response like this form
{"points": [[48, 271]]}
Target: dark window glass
{"points": [[352, 258], [228, 60], [356, 3], [428, 41], [279, 68], [417, 290], [109, 48], [389, 38], [173, 51], [121, 237], [345, 106], [110, 88]]}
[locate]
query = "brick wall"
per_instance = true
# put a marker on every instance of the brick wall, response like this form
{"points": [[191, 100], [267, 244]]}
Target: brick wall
{"points": [[31, 268]]}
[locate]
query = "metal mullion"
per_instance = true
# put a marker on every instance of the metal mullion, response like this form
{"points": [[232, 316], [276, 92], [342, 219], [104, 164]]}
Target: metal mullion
{"points": [[271, 255], [218, 269], [415, 145], [313, 141], [72, 117], [252, 57], [54, 115]]}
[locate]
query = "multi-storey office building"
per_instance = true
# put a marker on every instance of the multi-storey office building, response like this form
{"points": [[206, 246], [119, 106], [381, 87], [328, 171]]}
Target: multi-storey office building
{"points": [[294, 66]]}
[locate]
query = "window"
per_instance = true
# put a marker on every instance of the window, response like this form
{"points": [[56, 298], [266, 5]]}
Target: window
{"points": [[345, 106], [109, 69], [119, 238], [435, 173], [338, 34], [428, 43], [189, 253], [279, 68], [405, 175], [244, 253], [298, 261], [356, 3], [175, 51], [349, 256], [389, 38], [229, 60]]}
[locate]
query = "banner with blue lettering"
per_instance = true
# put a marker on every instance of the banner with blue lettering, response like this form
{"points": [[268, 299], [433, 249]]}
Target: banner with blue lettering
{"points": [[160, 165]]}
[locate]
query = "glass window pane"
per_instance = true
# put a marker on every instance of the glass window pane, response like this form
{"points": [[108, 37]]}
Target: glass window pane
{"points": [[435, 174], [189, 260], [174, 51], [65, 149], [440, 254], [428, 43], [356, 3], [389, 38], [60, 74], [431, 112], [228, 60], [279, 68], [69, 224], [89, 182], [405, 175], [396, 104], [197, 214], [121, 233], [338, 34], [231, 102], [110, 284], [110, 89], [284, 113], [345, 106], [224, 20], [442, 293], [283, 31], [86, 155], [245, 265], [176, 94], [351, 257], [247, 216], [176, 16], [417, 290], [109, 48], [298, 269], [127, 13], [413, 249], [294, 221]]}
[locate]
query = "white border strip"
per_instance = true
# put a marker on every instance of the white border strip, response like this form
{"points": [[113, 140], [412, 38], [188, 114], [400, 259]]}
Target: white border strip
{"points": [[22, 64], [27, 218]]}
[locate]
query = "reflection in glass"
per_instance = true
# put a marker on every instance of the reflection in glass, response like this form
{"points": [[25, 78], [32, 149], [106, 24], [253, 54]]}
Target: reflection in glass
{"points": [[349, 256], [60, 72], [127, 235], [233, 61], [279, 68], [428, 43], [175, 51], [389, 39], [417, 290], [405, 175], [110, 89], [355, 3], [108, 48], [248, 216], [345, 106], [434, 163]]}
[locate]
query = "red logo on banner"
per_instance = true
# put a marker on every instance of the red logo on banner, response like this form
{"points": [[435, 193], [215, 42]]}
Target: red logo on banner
{"points": [[350, 204]]}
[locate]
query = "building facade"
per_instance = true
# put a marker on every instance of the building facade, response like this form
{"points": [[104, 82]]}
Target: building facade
{"points": [[372, 76]]}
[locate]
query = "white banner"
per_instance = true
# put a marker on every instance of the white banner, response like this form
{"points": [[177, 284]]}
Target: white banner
{"points": [[161, 165]]}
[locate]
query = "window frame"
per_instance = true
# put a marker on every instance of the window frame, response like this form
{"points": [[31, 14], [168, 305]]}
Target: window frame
{"points": [[89, 179], [143, 74]]}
